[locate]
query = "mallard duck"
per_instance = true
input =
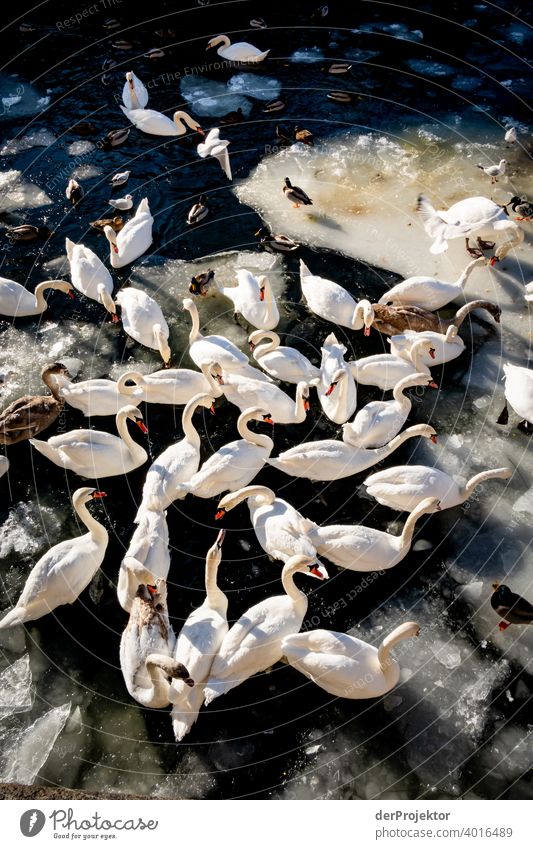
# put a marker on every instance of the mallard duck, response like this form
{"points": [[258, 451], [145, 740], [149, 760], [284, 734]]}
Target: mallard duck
{"points": [[27, 233], [155, 53], [274, 106], [283, 134], [232, 117], [522, 206], [109, 64], [258, 23], [122, 44], [513, 608], [28, 416], [200, 283], [111, 23], [114, 138], [295, 194], [74, 192], [120, 179], [340, 96], [304, 136], [166, 32], [84, 128], [117, 223], [198, 211], [338, 68], [276, 241]]}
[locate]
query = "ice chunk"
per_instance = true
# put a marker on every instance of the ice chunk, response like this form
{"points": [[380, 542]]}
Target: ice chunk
{"points": [[80, 148], [26, 755], [37, 138], [208, 97], [16, 193], [16, 693], [307, 55], [524, 504], [253, 85], [18, 97], [430, 69], [27, 529]]}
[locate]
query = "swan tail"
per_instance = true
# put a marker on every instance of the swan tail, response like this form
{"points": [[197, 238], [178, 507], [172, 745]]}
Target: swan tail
{"points": [[304, 271], [216, 687], [42, 447], [16, 616], [69, 245], [223, 158]]}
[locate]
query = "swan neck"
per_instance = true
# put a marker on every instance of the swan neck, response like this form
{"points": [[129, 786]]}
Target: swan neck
{"points": [[287, 579], [157, 695], [406, 536], [38, 294], [477, 479], [54, 385], [259, 439], [189, 429], [122, 427], [194, 333], [97, 531], [384, 650], [215, 596], [267, 347], [398, 392]]}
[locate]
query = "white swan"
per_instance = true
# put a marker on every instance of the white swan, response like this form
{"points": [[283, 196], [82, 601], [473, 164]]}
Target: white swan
{"points": [[156, 124], [169, 386], [211, 349], [253, 643], [61, 574], [404, 487], [519, 394], [235, 464], [444, 347], [379, 421], [197, 645], [245, 392], [147, 558], [333, 303], [280, 529], [144, 321], [95, 453], [16, 301], [253, 299], [385, 370], [96, 397], [330, 460], [146, 649], [337, 391], [216, 147], [133, 240], [475, 215], [429, 292], [280, 361], [177, 463], [90, 276], [239, 52], [346, 666], [363, 549], [134, 93]]}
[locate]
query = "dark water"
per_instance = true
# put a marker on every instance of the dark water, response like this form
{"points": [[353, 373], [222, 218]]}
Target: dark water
{"points": [[258, 738]]}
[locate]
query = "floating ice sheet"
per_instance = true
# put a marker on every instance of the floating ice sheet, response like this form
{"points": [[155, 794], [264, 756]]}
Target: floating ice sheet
{"points": [[16, 693], [25, 755]]}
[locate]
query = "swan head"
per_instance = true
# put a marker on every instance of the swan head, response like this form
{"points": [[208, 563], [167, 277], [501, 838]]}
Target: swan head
{"points": [[305, 564], [134, 377], [263, 284], [337, 377], [106, 299], [203, 400], [405, 631], [364, 313], [131, 412], [61, 286], [214, 555], [188, 304], [111, 237], [162, 343], [130, 79], [429, 505], [87, 493], [218, 39]]}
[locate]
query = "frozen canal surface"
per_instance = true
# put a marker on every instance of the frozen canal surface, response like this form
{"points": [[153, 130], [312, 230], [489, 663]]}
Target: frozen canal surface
{"points": [[459, 722]]}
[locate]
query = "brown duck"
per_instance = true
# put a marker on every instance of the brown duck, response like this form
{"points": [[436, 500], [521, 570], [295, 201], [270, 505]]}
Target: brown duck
{"points": [[393, 320], [31, 414], [117, 223]]}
